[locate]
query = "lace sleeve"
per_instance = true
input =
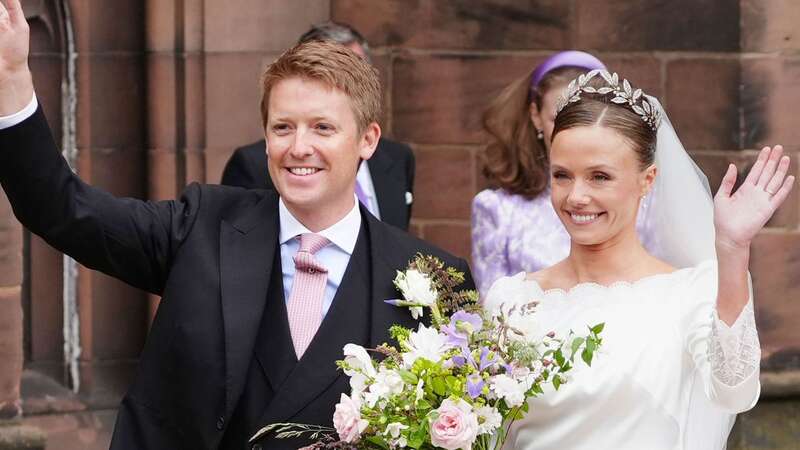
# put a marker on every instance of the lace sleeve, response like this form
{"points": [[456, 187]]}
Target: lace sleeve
{"points": [[735, 351], [727, 359], [489, 260]]}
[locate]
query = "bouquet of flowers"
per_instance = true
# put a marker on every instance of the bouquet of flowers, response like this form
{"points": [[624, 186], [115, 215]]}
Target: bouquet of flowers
{"points": [[456, 383]]}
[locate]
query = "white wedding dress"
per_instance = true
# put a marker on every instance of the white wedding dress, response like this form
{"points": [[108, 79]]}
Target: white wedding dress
{"points": [[665, 358]]}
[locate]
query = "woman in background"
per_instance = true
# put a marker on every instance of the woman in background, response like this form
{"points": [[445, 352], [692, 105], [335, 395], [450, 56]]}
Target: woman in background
{"points": [[514, 227]]}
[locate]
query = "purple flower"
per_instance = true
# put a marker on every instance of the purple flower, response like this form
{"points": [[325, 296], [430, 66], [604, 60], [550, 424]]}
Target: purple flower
{"points": [[474, 385], [461, 325], [487, 360]]}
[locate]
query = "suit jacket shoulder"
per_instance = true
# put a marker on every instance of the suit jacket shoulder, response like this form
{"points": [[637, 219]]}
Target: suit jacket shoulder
{"points": [[247, 167]]}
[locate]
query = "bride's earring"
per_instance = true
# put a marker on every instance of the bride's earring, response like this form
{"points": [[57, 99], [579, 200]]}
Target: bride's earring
{"points": [[539, 135]]}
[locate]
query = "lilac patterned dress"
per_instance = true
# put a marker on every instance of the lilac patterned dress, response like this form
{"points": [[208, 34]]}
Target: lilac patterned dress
{"points": [[511, 234]]}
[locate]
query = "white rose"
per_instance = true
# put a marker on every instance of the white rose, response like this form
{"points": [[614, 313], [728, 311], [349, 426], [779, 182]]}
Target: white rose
{"points": [[527, 324], [489, 419], [416, 287], [507, 292], [425, 343], [387, 383], [393, 429], [359, 361], [508, 389]]}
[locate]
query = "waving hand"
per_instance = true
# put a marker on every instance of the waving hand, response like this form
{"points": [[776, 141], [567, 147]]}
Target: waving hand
{"points": [[16, 87]]}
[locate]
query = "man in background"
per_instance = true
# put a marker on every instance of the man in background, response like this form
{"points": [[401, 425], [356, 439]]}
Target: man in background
{"points": [[384, 184]]}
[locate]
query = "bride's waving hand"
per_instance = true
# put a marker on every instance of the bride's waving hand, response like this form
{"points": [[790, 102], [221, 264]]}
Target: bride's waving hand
{"points": [[739, 216]]}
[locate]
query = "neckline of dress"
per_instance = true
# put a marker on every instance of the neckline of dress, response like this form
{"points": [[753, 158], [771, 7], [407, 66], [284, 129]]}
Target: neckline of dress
{"points": [[592, 285]]}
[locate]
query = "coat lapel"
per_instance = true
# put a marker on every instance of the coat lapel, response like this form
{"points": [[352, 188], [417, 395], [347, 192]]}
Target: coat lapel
{"points": [[345, 322], [386, 261], [247, 249], [389, 189]]}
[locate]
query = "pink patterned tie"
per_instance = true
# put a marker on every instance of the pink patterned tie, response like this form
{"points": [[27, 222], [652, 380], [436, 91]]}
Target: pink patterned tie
{"points": [[308, 289]]}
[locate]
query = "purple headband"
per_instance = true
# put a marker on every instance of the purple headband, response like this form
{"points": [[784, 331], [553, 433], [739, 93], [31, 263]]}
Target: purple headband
{"points": [[570, 58]]}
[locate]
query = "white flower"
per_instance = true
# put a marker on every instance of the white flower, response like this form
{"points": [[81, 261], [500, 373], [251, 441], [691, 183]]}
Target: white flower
{"points": [[507, 292], [425, 343], [417, 312], [358, 384], [387, 383], [393, 429], [347, 419], [508, 389], [419, 392], [527, 324], [489, 419], [416, 287], [359, 361]]}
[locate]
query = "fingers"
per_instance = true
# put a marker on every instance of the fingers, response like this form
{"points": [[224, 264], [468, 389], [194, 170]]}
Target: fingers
{"points": [[778, 177], [14, 9], [758, 167], [783, 192], [728, 181], [770, 166]]}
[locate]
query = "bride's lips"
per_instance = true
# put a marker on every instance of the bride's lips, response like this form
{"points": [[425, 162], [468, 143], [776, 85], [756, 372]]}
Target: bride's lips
{"points": [[583, 218]]}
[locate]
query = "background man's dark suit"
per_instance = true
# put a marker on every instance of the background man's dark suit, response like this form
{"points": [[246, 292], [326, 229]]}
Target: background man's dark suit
{"points": [[391, 168], [218, 361]]}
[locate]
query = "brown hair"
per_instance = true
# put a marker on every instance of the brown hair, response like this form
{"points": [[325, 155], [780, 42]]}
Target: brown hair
{"points": [[598, 110], [515, 159], [332, 64]]}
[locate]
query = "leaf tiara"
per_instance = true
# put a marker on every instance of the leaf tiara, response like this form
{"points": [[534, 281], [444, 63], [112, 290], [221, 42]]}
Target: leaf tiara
{"points": [[624, 95]]}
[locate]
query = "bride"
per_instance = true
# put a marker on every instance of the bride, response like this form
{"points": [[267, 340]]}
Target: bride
{"points": [[680, 355]]}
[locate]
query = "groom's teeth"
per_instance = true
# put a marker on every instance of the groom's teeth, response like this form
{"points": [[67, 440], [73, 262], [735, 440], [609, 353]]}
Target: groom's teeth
{"points": [[583, 218], [303, 170]]}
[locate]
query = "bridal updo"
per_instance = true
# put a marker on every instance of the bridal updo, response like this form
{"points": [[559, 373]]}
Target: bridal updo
{"points": [[606, 110]]}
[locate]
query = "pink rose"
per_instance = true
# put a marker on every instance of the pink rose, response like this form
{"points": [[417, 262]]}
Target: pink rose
{"points": [[456, 427], [347, 419]]}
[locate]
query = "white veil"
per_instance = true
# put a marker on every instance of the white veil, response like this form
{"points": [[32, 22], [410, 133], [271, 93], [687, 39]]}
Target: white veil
{"points": [[680, 215]]}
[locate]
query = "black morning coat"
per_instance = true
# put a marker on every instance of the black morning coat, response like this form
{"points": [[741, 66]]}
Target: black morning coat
{"points": [[218, 361]]}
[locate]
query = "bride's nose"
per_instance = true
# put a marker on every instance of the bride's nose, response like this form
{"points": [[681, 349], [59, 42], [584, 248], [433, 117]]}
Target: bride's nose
{"points": [[579, 195]]}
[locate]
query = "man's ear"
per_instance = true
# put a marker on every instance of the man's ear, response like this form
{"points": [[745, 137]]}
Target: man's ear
{"points": [[369, 140]]}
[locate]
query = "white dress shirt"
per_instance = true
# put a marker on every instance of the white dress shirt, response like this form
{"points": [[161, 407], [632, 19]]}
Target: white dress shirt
{"points": [[364, 179], [19, 116], [334, 257]]}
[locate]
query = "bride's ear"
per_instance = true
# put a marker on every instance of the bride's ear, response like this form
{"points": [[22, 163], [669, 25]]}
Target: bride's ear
{"points": [[648, 178]]}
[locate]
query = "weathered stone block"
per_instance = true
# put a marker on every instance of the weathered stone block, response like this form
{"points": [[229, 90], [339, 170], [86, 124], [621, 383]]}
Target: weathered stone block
{"points": [[770, 25], [444, 184], [702, 100], [258, 26], [10, 352], [620, 25], [770, 92], [21, 437], [113, 93], [770, 425], [232, 111], [467, 24], [643, 71], [774, 264], [440, 99], [455, 238]]}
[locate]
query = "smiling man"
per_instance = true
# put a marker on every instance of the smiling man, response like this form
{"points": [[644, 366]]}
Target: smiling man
{"points": [[261, 290]]}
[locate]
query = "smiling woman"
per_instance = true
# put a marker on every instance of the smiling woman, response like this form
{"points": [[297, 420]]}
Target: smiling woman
{"points": [[681, 351]]}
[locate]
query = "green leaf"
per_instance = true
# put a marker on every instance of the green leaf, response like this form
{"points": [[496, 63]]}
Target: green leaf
{"points": [[378, 440], [577, 343], [408, 376], [597, 329], [439, 386], [559, 357], [556, 382]]}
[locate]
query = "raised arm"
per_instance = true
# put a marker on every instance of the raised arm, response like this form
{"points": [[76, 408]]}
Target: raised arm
{"points": [[738, 217], [16, 84]]}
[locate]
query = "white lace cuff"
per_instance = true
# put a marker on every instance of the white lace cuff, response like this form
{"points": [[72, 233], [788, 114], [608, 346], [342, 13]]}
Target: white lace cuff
{"points": [[735, 351]]}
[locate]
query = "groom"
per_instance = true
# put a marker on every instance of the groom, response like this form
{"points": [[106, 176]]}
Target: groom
{"points": [[260, 290]]}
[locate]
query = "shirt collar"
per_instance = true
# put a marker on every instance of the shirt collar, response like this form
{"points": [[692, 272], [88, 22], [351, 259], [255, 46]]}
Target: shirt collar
{"points": [[343, 233]]}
